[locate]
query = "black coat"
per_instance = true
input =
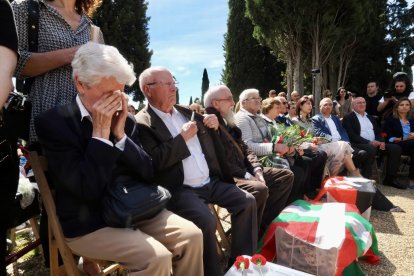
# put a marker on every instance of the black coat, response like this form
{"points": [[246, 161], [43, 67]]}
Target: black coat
{"points": [[82, 168], [168, 152]]}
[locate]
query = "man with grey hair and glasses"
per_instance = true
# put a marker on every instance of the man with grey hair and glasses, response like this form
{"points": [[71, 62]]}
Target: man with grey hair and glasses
{"points": [[188, 161], [89, 144]]}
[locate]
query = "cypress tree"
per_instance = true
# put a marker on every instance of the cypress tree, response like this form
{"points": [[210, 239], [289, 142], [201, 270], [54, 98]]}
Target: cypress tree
{"points": [[124, 25], [205, 85], [247, 63]]}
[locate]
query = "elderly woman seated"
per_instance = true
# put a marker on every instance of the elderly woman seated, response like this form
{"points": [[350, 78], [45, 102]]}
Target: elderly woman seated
{"points": [[91, 142]]}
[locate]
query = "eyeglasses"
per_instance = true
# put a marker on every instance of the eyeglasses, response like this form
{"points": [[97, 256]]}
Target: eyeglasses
{"points": [[254, 98], [230, 99], [360, 103], [169, 84]]}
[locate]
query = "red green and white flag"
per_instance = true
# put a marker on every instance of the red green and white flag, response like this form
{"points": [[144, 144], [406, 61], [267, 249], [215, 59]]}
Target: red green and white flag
{"points": [[355, 190], [326, 226]]}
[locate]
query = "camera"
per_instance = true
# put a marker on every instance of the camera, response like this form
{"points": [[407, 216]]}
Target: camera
{"points": [[316, 71], [387, 94]]}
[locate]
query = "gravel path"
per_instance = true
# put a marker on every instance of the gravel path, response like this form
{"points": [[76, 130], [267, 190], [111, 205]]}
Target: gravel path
{"points": [[395, 234]]}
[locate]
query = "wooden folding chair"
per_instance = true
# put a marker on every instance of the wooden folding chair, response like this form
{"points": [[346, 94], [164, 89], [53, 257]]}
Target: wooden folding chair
{"points": [[56, 238], [223, 242]]}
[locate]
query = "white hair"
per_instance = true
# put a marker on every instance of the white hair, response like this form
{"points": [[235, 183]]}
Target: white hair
{"points": [[327, 99], [147, 74], [246, 93], [94, 62], [213, 93]]}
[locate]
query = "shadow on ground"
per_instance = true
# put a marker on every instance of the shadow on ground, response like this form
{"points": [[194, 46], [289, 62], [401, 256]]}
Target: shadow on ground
{"points": [[384, 268], [377, 220]]}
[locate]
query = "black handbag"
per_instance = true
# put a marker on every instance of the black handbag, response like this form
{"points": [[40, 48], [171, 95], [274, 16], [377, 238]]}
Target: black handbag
{"points": [[18, 109], [16, 115], [128, 201]]}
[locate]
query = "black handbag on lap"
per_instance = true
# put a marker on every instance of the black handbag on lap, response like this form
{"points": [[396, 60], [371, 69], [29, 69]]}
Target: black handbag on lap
{"points": [[129, 201]]}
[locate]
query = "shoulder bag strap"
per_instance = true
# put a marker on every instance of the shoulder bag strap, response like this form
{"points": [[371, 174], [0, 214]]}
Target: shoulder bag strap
{"points": [[224, 130], [33, 39]]}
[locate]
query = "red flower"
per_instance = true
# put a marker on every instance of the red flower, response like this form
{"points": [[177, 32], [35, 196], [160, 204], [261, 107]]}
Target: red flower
{"points": [[242, 263], [315, 141], [302, 133], [383, 134], [279, 140], [258, 259]]}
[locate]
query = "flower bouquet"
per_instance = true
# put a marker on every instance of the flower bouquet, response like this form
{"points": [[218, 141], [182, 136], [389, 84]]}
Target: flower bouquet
{"points": [[291, 136]]}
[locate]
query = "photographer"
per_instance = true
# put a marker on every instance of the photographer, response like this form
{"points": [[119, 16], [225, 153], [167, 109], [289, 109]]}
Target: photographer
{"points": [[401, 87], [9, 167]]}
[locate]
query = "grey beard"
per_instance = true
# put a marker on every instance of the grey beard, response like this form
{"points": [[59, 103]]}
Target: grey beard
{"points": [[231, 122]]}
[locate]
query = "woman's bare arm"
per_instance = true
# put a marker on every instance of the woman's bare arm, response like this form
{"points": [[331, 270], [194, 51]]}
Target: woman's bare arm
{"points": [[7, 65]]}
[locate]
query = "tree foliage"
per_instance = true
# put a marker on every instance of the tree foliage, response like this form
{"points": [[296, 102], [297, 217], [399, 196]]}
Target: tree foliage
{"points": [[124, 25], [340, 37], [248, 64]]}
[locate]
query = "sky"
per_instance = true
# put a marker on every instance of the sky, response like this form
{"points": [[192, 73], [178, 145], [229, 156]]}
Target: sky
{"points": [[187, 36]]}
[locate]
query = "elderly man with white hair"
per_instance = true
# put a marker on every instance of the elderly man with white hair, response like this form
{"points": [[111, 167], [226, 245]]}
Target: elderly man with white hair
{"points": [[90, 143], [257, 137], [243, 163]]}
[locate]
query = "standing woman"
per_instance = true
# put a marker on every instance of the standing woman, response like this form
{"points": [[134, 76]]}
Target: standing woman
{"points": [[343, 102], [400, 130], [64, 25], [9, 165], [339, 152]]}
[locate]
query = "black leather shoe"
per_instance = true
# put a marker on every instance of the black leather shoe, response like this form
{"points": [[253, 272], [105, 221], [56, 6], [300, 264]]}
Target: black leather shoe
{"points": [[396, 184]]}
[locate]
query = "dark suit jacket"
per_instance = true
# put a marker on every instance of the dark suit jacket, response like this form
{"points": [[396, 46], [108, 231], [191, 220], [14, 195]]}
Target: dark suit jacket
{"points": [[83, 168], [393, 127], [321, 128], [239, 162], [168, 152], [352, 126]]}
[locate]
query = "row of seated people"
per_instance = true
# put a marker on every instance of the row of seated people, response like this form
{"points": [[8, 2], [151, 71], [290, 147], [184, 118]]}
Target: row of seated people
{"points": [[357, 134], [89, 143]]}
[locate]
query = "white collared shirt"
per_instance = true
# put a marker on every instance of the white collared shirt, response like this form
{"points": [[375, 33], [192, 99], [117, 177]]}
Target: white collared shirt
{"points": [[332, 127], [367, 129], [85, 114], [196, 171]]}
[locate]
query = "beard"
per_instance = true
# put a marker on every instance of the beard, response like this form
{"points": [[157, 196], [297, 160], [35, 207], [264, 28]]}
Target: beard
{"points": [[231, 122]]}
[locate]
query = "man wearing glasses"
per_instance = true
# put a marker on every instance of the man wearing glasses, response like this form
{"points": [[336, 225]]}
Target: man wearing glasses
{"points": [[185, 150], [270, 186]]}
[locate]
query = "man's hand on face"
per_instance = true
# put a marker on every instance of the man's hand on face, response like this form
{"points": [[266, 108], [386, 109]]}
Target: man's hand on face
{"points": [[188, 130], [102, 112], [119, 118]]}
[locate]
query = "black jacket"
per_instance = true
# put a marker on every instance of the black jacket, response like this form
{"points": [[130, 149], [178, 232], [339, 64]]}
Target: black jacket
{"points": [[83, 168]]}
